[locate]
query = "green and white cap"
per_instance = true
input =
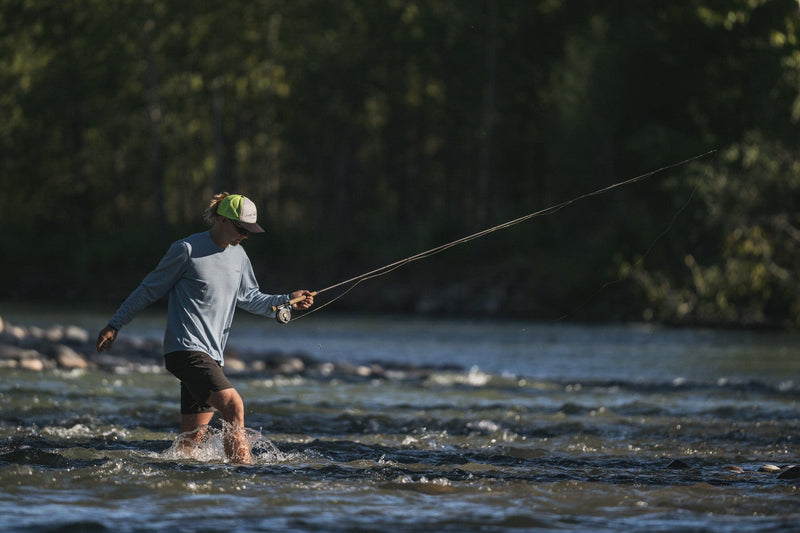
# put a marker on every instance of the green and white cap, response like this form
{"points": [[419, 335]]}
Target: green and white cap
{"points": [[242, 210]]}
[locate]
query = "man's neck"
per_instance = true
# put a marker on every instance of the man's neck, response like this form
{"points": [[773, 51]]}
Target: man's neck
{"points": [[216, 236]]}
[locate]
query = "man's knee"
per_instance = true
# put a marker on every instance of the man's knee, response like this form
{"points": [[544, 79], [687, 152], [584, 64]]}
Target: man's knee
{"points": [[229, 404]]}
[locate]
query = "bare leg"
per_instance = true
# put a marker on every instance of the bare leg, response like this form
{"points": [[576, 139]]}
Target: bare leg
{"points": [[231, 408], [193, 429]]}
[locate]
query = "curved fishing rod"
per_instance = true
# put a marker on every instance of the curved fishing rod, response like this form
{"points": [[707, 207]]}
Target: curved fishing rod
{"points": [[284, 313]]}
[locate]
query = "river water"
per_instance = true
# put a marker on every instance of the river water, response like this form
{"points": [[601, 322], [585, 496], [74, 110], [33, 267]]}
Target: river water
{"points": [[473, 426]]}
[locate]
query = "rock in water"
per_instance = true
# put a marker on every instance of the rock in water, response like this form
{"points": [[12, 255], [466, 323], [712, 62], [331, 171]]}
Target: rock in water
{"points": [[30, 363], [793, 472], [678, 465], [76, 334], [69, 358], [235, 365]]}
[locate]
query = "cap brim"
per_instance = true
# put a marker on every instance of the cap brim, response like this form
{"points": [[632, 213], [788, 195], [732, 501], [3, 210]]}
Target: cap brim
{"points": [[252, 227]]}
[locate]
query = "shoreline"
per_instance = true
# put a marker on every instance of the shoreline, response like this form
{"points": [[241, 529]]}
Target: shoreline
{"points": [[71, 347]]}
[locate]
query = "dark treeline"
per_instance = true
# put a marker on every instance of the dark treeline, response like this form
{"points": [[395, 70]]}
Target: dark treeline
{"points": [[370, 131]]}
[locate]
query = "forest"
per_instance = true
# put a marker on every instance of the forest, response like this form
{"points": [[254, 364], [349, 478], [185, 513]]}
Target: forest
{"points": [[368, 131]]}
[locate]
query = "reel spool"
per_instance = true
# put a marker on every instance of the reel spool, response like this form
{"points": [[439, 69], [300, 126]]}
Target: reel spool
{"points": [[283, 312], [283, 315]]}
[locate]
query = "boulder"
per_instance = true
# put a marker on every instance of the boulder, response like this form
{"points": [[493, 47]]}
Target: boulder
{"points": [[75, 334], [10, 351], [793, 472], [678, 465], [31, 363], [54, 334], [235, 365], [17, 333], [68, 358]]}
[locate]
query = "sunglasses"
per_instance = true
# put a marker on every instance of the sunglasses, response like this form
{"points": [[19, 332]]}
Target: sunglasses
{"points": [[243, 232]]}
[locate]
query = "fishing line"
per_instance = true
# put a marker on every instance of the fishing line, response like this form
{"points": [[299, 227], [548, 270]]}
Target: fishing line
{"points": [[284, 311], [636, 263]]}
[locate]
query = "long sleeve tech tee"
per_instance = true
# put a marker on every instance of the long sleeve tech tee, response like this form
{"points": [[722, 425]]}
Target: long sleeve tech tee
{"points": [[206, 284]]}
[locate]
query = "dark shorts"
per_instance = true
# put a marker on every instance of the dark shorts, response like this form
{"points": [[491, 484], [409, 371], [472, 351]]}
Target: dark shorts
{"points": [[200, 375]]}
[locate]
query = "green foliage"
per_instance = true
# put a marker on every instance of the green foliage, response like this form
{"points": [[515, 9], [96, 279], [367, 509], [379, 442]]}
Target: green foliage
{"points": [[747, 274], [369, 131]]}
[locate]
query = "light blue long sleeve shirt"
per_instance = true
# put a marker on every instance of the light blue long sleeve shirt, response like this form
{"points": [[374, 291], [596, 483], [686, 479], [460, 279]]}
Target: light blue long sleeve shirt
{"points": [[206, 284]]}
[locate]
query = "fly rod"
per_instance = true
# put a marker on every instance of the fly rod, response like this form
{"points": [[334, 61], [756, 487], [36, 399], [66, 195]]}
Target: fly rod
{"points": [[284, 311]]}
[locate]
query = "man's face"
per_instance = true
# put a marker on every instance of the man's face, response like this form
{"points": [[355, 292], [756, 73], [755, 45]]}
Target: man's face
{"points": [[235, 233]]}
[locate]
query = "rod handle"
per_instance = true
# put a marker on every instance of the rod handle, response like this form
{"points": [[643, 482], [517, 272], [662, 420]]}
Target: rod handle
{"points": [[293, 301]]}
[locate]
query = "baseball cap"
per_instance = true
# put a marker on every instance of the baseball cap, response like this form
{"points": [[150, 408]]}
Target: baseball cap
{"points": [[242, 210]]}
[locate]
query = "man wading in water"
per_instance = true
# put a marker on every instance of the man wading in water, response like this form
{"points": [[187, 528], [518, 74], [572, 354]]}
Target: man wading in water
{"points": [[207, 275]]}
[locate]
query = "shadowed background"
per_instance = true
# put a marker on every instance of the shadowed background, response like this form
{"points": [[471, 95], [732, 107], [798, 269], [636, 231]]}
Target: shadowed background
{"points": [[367, 132]]}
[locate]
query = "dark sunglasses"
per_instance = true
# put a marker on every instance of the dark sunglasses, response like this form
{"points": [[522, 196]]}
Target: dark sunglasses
{"points": [[243, 232]]}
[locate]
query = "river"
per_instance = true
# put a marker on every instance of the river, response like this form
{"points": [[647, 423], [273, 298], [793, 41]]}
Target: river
{"points": [[471, 426]]}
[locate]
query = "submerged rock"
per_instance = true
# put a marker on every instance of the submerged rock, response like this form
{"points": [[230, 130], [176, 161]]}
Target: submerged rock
{"points": [[677, 464], [735, 469], [792, 472]]}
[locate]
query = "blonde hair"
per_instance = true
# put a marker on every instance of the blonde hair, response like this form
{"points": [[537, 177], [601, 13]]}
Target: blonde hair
{"points": [[210, 213]]}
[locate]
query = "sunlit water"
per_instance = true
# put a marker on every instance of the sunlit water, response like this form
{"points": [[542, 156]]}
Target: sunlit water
{"points": [[519, 426]]}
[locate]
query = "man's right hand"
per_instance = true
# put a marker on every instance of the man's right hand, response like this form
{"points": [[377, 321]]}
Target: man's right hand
{"points": [[106, 338]]}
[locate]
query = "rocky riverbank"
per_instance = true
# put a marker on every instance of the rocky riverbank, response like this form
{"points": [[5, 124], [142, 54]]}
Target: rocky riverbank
{"points": [[69, 347]]}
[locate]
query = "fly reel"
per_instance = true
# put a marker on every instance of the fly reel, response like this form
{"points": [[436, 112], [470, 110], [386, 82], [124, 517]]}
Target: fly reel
{"points": [[283, 315], [283, 312]]}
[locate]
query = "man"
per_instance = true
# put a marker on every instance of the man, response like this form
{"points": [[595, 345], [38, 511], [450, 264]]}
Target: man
{"points": [[207, 276]]}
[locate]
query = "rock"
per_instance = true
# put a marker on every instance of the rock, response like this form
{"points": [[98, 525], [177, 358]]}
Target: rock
{"points": [[68, 358], [27, 354], [29, 363], [772, 469], [17, 333], [281, 364], [235, 365], [2, 324], [9, 351], [54, 334], [735, 469], [76, 335], [678, 465], [292, 365], [793, 472]]}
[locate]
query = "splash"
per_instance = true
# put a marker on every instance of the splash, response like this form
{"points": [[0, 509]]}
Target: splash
{"points": [[211, 447], [475, 378]]}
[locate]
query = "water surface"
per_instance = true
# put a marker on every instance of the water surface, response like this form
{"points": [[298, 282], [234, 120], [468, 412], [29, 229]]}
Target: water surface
{"points": [[510, 425]]}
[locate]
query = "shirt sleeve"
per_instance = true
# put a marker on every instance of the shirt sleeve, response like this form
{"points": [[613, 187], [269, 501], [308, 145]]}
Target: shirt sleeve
{"points": [[251, 299], [154, 286]]}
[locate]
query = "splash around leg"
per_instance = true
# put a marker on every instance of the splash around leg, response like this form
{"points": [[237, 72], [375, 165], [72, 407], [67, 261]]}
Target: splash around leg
{"points": [[227, 444], [237, 445]]}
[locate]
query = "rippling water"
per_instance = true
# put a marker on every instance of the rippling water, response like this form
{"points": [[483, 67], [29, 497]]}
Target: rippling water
{"points": [[513, 425]]}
